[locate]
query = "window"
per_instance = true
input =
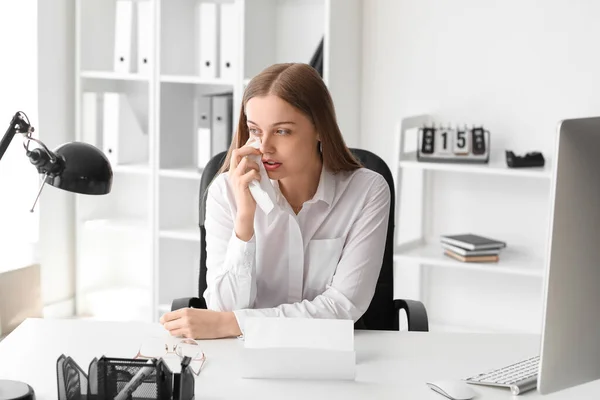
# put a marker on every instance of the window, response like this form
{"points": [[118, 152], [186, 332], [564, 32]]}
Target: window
{"points": [[18, 92]]}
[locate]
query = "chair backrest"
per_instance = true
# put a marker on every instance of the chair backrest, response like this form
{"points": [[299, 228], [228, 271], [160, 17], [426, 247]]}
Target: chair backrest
{"points": [[381, 314]]}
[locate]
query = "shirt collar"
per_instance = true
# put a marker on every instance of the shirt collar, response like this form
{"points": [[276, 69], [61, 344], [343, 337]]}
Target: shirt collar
{"points": [[325, 190]]}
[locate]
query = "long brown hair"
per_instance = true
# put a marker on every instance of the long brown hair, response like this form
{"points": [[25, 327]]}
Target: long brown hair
{"points": [[302, 87]]}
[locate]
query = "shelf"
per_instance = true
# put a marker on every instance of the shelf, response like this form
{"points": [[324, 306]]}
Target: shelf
{"points": [[511, 261], [184, 173], [194, 80], [120, 224], [110, 75], [191, 233], [496, 166], [139, 169]]}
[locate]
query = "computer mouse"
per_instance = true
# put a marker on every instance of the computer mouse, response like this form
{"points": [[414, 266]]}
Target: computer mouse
{"points": [[453, 389]]}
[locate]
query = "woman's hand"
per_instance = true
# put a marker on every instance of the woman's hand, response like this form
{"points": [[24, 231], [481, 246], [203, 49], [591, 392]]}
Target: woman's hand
{"points": [[242, 171], [194, 323]]}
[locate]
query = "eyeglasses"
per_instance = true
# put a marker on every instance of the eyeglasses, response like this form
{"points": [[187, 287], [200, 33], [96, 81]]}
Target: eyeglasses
{"points": [[160, 347]]}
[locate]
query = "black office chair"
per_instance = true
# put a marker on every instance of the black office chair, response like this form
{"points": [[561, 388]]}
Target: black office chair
{"points": [[383, 312]]}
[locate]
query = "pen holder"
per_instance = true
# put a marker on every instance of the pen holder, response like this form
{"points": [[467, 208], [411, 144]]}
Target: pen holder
{"points": [[123, 379], [152, 380]]}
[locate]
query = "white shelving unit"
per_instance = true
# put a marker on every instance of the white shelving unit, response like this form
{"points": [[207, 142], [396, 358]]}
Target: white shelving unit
{"points": [[423, 249], [141, 242], [496, 166], [109, 75], [513, 262]]}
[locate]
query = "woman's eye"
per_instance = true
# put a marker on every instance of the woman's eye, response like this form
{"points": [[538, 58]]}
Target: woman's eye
{"points": [[253, 131], [283, 132]]}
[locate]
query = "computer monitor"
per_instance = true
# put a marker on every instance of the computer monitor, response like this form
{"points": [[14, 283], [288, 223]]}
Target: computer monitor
{"points": [[570, 347]]}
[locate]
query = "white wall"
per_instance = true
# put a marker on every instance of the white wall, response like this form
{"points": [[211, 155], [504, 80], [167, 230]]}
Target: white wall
{"points": [[517, 67], [56, 84], [18, 92]]}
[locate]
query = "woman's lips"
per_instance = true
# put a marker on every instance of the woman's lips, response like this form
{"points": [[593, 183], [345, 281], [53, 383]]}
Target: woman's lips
{"points": [[271, 165]]}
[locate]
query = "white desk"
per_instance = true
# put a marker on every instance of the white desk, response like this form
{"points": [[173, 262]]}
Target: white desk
{"points": [[390, 365]]}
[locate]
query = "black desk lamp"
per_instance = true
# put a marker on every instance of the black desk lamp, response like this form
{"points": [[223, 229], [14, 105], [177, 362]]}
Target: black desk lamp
{"points": [[75, 167]]}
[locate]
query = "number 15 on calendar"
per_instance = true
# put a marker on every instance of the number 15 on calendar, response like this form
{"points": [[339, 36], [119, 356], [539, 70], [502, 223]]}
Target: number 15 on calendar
{"points": [[450, 144], [452, 141]]}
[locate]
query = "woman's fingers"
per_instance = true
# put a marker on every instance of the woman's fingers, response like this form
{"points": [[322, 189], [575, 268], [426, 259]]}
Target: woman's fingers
{"points": [[170, 316], [245, 172], [174, 324], [248, 177], [179, 332], [245, 165], [238, 154], [240, 167]]}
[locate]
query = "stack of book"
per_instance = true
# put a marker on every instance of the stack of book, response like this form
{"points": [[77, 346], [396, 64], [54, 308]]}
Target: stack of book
{"points": [[472, 248]]}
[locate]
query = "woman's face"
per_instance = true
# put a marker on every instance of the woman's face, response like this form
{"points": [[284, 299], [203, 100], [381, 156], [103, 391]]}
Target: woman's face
{"points": [[288, 138]]}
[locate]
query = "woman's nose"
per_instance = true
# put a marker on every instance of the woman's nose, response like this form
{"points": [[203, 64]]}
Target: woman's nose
{"points": [[266, 144]]}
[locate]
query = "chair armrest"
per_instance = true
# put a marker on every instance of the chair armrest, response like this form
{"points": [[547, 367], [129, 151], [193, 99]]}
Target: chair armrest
{"points": [[415, 313], [188, 302]]}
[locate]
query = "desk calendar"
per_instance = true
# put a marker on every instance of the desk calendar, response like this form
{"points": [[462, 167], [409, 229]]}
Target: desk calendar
{"points": [[459, 145]]}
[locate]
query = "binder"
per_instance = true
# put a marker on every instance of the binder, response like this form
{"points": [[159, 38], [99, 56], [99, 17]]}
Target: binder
{"points": [[90, 124], [229, 42], [124, 49], [123, 140], [144, 37], [221, 124], [207, 25], [203, 139]]}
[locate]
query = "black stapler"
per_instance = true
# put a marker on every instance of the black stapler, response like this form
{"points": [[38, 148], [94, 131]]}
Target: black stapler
{"points": [[532, 159]]}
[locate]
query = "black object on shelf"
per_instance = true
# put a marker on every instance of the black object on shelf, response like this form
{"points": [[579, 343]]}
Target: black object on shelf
{"points": [[123, 379], [531, 159]]}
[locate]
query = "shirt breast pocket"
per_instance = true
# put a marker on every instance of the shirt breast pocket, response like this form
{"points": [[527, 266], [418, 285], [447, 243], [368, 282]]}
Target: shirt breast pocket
{"points": [[323, 256]]}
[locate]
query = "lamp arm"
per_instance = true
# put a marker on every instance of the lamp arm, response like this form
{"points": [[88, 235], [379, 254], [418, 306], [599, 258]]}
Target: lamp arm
{"points": [[42, 158], [18, 124], [33, 156]]}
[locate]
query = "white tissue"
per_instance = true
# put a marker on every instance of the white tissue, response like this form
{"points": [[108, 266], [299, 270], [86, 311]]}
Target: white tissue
{"points": [[262, 190]]}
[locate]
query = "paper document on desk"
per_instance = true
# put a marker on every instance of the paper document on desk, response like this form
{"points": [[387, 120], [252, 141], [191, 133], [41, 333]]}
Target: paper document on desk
{"points": [[298, 348]]}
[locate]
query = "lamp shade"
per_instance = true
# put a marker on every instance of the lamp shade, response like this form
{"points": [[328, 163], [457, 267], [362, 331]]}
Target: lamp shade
{"points": [[86, 169]]}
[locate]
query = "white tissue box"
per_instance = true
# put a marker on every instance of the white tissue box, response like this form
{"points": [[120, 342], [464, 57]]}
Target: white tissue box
{"points": [[299, 348]]}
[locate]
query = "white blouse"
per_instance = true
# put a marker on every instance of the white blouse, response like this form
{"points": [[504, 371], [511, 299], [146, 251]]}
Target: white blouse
{"points": [[322, 263]]}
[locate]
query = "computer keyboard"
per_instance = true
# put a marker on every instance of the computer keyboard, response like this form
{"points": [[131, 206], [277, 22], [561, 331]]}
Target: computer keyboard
{"points": [[519, 377]]}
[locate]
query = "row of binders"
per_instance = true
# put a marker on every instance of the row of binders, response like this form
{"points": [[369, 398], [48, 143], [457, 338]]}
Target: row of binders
{"points": [[110, 122], [216, 39], [134, 44], [214, 126], [115, 123]]}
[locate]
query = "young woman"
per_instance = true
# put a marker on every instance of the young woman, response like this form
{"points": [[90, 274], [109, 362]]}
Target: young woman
{"points": [[318, 253]]}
